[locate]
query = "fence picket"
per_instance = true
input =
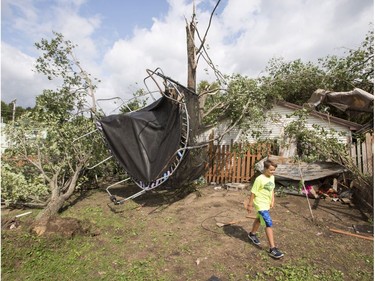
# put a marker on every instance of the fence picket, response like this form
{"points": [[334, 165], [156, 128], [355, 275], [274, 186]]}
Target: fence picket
{"points": [[229, 165]]}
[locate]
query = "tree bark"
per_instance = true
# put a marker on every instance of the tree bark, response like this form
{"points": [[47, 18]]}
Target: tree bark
{"points": [[41, 221], [57, 200], [191, 56], [195, 162]]}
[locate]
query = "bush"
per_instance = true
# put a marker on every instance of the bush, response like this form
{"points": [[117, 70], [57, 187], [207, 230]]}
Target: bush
{"points": [[16, 189]]}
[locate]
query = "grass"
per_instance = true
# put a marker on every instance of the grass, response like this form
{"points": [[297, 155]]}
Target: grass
{"points": [[299, 272], [72, 259], [62, 259]]}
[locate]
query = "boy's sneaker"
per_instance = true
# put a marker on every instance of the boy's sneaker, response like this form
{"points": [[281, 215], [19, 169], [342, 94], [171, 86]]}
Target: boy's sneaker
{"points": [[275, 253], [253, 238]]}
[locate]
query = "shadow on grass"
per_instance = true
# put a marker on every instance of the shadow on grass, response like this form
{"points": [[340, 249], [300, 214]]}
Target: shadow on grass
{"points": [[157, 197], [236, 231], [240, 233]]}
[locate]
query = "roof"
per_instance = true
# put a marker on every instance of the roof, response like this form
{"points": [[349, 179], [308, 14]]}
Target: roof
{"points": [[351, 125]]}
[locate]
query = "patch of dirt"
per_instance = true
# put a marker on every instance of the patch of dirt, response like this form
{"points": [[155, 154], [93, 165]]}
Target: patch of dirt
{"points": [[184, 233]]}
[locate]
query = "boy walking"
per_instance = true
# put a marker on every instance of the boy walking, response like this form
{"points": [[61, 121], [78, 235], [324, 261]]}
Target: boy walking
{"points": [[262, 197]]}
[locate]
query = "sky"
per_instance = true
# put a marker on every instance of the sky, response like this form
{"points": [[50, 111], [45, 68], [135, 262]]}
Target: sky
{"points": [[118, 40]]}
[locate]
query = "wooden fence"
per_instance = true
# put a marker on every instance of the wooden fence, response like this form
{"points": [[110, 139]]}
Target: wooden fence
{"points": [[362, 154], [234, 164]]}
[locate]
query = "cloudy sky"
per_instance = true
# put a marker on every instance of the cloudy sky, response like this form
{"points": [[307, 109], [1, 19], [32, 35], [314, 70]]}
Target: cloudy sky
{"points": [[119, 39]]}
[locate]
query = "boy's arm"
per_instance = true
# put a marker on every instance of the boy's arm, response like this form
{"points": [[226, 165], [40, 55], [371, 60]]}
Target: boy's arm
{"points": [[251, 201], [273, 199]]}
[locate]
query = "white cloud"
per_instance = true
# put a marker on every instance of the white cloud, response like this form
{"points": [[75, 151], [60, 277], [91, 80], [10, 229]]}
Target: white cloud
{"points": [[18, 81]]}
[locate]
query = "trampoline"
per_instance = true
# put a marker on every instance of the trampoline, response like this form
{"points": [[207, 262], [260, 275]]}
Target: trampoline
{"points": [[149, 143]]}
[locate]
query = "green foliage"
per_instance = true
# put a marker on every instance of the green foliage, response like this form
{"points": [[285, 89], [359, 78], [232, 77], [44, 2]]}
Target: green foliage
{"points": [[15, 188], [293, 81], [58, 61], [356, 69], [316, 143], [321, 144], [242, 102], [49, 147]]}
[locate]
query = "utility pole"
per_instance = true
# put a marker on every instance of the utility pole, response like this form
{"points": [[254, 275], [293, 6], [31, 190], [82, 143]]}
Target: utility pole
{"points": [[14, 110]]}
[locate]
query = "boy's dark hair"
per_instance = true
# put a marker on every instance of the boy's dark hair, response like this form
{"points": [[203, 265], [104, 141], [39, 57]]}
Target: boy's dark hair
{"points": [[269, 163]]}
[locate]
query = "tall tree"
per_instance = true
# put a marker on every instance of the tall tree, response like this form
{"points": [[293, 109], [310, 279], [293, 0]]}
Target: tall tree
{"points": [[48, 138], [234, 99]]}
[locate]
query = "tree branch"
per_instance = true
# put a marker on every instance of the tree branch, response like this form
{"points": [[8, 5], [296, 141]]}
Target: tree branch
{"points": [[244, 111], [218, 105], [208, 28]]}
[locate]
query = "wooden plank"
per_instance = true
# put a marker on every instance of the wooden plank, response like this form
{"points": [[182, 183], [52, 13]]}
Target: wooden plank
{"points": [[243, 167], [214, 166], [248, 165], [221, 224], [222, 163], [370, 152], [252, 161], [238, 168], [231, 163], [222, 166], [217, 170], [351, 234], [209, 155], [227, 164], [359, 156], [364, 158]]}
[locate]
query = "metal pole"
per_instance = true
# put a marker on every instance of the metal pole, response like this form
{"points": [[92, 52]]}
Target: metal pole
{"points": [[14, 110]]}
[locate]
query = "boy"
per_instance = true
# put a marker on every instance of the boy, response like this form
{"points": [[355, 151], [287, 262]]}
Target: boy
{"points": [[262, 197]]}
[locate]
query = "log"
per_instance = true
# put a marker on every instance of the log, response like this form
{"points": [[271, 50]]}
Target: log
{"points": [[221, 224], [351, 234]]}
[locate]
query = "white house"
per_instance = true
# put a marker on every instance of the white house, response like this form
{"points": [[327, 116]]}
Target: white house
{"points": [[4, 141], [31, 135], [277, 120]]}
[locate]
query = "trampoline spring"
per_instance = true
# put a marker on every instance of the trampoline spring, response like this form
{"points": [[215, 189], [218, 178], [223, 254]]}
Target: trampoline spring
{"points": [[166, 174]]}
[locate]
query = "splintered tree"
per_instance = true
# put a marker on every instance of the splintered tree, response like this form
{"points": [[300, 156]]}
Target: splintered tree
{"points": [[234, 100]]}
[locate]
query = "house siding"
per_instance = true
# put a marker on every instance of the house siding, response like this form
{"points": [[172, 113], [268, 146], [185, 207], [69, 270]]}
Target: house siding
{"points": [[275, 124]]}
